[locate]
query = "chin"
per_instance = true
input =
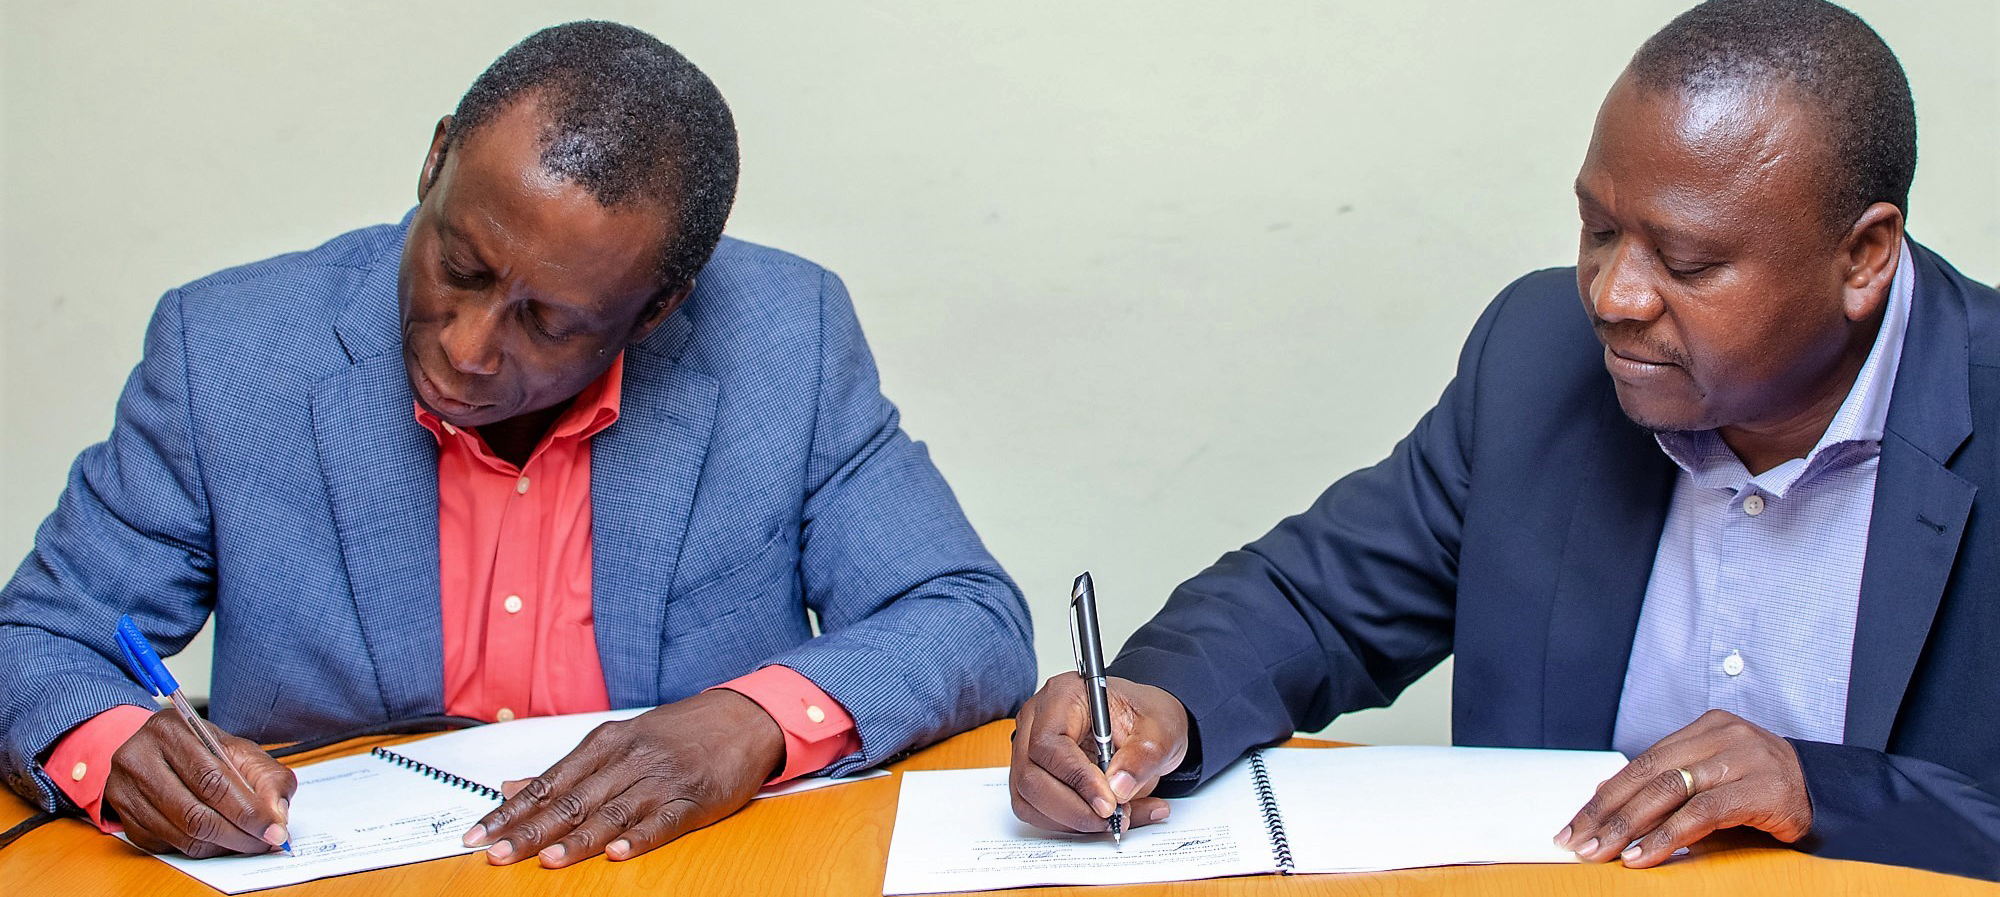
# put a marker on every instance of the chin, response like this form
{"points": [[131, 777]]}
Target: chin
{"points": [[1662, 417]]}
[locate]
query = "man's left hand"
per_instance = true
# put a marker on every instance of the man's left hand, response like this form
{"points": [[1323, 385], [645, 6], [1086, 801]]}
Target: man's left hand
{"points": [[1719, 771], [636, 784]]}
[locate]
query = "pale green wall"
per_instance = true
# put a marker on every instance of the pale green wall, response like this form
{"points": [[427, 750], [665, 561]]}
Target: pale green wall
{"points": [[1146, 276]]}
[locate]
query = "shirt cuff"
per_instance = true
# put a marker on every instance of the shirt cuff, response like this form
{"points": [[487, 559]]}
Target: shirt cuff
{"points": [[817, 729], [81, 761]]}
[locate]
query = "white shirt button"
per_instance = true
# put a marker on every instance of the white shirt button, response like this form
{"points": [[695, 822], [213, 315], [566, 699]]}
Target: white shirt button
{"points": [[449, 429], [814, 713], [1753, 505], [1733, 664], [505, 715], [512, 604], [521, 485], [77, 772]]}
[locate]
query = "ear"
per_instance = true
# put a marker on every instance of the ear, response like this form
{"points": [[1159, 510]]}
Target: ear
{"points": [[433, 160], [1870, 252], [662, 307]]}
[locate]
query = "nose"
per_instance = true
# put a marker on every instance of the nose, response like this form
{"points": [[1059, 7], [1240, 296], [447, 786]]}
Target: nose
{"points": [[471, 341], [1621, 291]]}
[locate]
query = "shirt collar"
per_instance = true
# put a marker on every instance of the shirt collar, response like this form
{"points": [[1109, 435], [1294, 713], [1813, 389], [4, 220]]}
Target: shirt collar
{"points": [[1859, 423], [593, 409]]}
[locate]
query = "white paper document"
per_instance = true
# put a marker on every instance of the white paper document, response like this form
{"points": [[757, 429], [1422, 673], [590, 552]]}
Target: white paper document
{"points": [[372, 811], [1285, 810]]}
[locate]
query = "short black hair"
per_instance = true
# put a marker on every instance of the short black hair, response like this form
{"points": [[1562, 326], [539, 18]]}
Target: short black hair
{"points": [[1835, 62], [629, 119]]}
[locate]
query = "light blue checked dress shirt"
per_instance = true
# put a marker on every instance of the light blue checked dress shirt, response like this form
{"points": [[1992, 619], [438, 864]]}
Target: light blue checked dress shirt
{"points": [[1757, 580]]}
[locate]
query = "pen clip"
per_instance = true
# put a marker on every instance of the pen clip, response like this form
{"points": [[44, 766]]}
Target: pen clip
{"points": [[143, 661], [1075, 645]]}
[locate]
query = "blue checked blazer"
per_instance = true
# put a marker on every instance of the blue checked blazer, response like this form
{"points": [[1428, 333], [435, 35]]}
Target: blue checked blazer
{"points": [[265, 467], [1515, 528]]}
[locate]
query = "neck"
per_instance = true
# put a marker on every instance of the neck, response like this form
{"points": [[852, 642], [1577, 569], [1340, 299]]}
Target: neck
{"points": [[515, 438], [1763, 446]]}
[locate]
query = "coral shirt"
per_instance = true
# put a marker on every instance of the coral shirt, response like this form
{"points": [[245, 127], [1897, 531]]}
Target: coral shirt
{"points": [[514, 565]]}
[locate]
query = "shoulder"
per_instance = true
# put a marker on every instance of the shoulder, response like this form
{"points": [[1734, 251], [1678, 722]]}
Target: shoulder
{"points": [[742, 271], [749, 302], [1938, 279], [1536, 332], [295, 292]]}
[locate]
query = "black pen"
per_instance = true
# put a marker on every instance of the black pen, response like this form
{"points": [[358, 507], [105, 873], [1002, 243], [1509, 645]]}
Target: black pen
{"points": [[1089, 651]]}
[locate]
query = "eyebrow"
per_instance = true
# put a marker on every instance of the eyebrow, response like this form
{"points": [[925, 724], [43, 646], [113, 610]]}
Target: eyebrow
{"points": [[1680, 239]]}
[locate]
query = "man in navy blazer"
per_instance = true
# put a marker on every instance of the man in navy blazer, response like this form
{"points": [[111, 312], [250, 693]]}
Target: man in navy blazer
{"points": [[755, 504], [1566, 524]]}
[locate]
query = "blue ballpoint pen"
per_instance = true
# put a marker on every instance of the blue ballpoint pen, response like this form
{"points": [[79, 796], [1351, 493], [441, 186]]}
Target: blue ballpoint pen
{"points": [[1089, 649], [153, 674]]}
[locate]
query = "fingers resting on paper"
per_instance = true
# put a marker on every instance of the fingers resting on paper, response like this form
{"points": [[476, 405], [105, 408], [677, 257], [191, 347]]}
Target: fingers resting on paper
{"points": [[1719, 771], [636, 784], [172, 795], [1053, 777]]}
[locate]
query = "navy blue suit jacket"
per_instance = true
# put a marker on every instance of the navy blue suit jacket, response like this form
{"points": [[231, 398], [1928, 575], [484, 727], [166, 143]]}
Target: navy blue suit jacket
{"points": [[265, 466], [1516, 527]]}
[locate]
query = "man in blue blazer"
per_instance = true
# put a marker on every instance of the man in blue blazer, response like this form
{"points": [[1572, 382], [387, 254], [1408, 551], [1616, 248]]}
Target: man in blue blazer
{"points": [[753, 503], [1730, 517]]}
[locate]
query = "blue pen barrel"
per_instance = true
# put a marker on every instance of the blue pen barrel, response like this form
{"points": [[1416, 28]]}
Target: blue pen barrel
{"points": [[143, 661]]}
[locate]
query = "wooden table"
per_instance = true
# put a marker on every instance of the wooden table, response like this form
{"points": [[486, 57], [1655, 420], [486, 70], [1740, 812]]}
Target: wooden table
{"points": [[835, 841]]}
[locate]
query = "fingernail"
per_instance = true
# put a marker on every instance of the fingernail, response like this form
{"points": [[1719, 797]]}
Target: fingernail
{"points": [[1102, 806], [1589, 847], [1631, 853], [475, 836], [276, 835], [1159, 814], [553, 853], [618, 849], [1562, 837], [1122, 784], [500, 851]]}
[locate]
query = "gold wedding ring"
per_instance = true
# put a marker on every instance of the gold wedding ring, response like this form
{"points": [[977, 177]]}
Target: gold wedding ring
{"points": [[1687, 779]]}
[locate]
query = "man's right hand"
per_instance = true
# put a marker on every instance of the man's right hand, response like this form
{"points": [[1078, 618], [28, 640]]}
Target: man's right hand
{"points": [[171, 794], [1054, 776]]}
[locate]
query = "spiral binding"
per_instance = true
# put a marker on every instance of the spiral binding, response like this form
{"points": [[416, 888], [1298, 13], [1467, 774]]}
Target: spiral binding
{"points": [[1274, 822], [423, 768]]}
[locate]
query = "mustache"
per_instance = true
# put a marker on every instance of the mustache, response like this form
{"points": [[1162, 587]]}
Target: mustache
{"points": [[1630, 339]]}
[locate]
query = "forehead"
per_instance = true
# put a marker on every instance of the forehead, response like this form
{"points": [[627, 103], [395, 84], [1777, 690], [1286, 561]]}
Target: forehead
{"points": [[496, 199], [1726, 157]]}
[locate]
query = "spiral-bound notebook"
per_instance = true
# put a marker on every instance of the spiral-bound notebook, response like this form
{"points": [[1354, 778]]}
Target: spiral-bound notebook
{"points": [[411, 802], [1283, 810]]}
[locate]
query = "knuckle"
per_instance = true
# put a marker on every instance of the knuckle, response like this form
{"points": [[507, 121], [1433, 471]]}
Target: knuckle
{"points": [[1708, 806], [1643, 767], [568, 807], [531, 832], [537, 790], [1670, 784], [209, 780], [617, 814], [1616, 825]]}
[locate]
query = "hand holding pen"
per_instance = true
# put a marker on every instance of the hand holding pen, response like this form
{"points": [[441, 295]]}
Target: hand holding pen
{"points": [[1055, 778], [1086, 643], [180, 784]]}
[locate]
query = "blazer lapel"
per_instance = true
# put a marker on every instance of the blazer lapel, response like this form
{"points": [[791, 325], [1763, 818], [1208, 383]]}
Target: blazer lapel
{"points": [[1625, 486], [644, 471], [1920, 506], [380, 468]]}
